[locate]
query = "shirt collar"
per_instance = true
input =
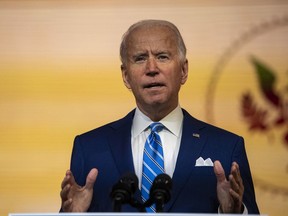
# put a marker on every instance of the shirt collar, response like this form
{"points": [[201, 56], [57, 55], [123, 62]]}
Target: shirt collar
{"points": [[172, 122]]}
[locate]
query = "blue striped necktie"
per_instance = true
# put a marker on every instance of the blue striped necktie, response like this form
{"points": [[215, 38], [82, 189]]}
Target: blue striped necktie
{"points": [[153, 161]]}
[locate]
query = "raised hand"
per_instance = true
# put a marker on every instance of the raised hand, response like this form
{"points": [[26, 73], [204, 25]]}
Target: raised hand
{"points": [[74, 197], [229, 192]]}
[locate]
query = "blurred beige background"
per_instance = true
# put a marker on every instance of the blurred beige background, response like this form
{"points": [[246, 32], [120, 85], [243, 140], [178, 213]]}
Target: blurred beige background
{"points": [[60, 76]]}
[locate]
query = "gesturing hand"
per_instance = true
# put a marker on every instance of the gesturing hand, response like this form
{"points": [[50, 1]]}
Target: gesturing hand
{"points": [[229, 192], [75, 198]]}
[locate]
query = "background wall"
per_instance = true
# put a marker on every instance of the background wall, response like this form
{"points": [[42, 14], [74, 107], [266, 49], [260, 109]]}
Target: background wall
{"points": [[60, 76]]}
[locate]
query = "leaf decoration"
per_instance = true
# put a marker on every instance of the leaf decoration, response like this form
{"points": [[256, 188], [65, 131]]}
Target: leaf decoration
{"points": [[255, 116], [267, 79]]}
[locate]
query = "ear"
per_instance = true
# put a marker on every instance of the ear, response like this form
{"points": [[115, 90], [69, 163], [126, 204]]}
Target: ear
{"points": [[184, 72], [125, 76]]}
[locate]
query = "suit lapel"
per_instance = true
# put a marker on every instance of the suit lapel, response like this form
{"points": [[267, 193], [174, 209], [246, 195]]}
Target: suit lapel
{"points": [[192, 143], [120, 144]]}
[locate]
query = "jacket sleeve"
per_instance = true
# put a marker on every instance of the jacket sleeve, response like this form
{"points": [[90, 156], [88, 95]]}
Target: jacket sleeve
{"points": [[240, 156]]}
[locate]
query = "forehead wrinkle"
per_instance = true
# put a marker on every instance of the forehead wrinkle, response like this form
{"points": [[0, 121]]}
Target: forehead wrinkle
{"points": [[152, 46]]}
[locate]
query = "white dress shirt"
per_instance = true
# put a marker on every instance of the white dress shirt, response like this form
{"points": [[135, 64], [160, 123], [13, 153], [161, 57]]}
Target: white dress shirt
{"points": [[170, 138]]}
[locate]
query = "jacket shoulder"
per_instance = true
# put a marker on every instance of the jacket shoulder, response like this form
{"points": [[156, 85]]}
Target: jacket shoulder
{"points": [[108, 128], [205, 127]]}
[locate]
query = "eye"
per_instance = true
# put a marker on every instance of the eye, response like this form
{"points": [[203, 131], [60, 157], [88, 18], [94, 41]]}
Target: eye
{"points": [[163, 57], [140, 58]]}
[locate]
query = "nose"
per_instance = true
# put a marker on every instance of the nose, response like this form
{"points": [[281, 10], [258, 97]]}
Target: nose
{"points": [[151, 67]]}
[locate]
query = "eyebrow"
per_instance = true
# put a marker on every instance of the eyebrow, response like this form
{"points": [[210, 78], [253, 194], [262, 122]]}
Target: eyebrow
{"points": [[139, 55], [163, 52], [157, 52]]}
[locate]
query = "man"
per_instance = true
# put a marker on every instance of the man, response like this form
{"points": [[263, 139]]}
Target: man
{"points": [[154, 66]]}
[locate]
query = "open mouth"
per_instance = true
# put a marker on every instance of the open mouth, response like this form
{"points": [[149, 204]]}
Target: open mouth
{"points": [[153, 85]]}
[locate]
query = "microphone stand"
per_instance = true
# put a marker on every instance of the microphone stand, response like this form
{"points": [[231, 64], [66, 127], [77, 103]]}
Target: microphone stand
{"points": [[122, 192], [159, 202], [117, 204], [160, 192]]}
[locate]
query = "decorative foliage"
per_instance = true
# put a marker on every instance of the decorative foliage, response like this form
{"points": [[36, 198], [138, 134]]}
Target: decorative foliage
{"points": [[256, 116]]}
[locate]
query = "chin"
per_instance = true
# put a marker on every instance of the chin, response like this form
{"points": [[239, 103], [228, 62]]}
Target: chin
{"points": [[158, 104], [156, 101]]}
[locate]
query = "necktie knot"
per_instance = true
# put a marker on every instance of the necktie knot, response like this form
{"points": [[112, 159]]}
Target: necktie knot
{"points": [[156, 127]]}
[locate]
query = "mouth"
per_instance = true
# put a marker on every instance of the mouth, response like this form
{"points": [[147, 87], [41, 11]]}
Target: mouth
{"points": [[153, 85]]}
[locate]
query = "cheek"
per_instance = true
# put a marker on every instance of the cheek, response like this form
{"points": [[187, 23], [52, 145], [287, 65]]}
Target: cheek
{"points": [[135, 84], [176, 79], [136, 77]]}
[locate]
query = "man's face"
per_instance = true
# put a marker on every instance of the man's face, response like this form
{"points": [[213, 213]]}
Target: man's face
{"points": [[153, 70]]}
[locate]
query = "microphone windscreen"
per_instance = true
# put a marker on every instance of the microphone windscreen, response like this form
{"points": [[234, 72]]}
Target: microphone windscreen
{"points": [[163, 180], [124, 189], [161, 187], [131, 180]]}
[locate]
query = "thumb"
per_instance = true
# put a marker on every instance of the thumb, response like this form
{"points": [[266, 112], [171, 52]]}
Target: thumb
{"points": [[91, 178], [219, 171]]}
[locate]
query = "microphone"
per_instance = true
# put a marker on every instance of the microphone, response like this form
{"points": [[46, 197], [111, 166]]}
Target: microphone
{"points": [[160, 191], [123, 190]]}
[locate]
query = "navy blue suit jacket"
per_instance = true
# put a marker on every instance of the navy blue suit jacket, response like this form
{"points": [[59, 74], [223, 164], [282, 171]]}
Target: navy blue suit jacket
{"points": [[108, 149]]}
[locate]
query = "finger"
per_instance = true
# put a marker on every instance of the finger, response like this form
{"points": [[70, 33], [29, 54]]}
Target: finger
{"points": [[68, 179], [234, 184], [237, 199], [235, 171], [219, 171], [64, 192], [235, 196], [66, 205], [91, 178], [65, 182]]}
